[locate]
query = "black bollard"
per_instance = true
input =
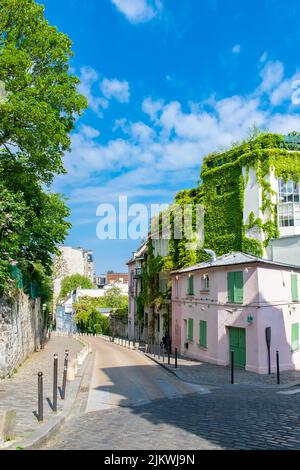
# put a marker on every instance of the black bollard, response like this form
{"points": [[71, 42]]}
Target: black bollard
{"points": [[232, 367], [277, 364], [64, 384], [40, 397], [55, 368], [176, 358], [168, 356]]}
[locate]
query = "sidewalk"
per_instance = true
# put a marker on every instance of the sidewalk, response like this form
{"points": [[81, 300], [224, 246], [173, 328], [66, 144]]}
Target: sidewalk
{"points": [[19, 393], [210, 374]]}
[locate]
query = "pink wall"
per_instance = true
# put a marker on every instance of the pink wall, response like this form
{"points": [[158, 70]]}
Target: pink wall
{"points": [[265, 290]]}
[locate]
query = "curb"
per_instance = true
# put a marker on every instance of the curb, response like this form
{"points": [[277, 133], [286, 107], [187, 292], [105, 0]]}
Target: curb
{"points": [[49, 428], [218, 385]]}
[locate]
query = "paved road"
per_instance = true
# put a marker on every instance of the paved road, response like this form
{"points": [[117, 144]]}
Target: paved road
{"points": [[133, 404]]}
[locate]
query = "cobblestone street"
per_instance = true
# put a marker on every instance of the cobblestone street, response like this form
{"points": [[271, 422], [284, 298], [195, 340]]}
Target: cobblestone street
{"points": [[19, 393], [234, 417], [224, 419]]}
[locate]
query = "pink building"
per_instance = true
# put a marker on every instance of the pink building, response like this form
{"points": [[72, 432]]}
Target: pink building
{"points": [[227, 304]]}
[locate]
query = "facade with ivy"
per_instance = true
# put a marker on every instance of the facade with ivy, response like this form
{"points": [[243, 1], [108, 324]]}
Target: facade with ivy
{"points": [[250, 195]]}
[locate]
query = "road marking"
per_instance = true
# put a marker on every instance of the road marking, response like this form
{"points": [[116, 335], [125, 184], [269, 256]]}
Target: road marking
{"points": [[290, 392]]}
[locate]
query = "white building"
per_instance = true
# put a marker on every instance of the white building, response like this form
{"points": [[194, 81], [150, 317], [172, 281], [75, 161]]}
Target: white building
{"points": [[286, 196], [72, 261]]}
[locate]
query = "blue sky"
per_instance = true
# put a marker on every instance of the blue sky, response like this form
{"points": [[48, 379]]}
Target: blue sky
{"points": [[168, 81]]}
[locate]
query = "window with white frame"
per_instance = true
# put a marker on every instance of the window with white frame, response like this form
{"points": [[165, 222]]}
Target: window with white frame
{"points": [[286, 215], [288, 191], [205, 282]]}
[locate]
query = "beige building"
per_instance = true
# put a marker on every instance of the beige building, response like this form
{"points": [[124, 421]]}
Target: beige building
{"points": [[72, 261]]}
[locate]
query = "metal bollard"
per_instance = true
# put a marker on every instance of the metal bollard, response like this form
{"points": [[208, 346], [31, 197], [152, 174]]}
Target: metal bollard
{"points": [[40, 397], [277, 366], [232, 367], [64, 384], [176, 358], [55, 368], [168, 357]]}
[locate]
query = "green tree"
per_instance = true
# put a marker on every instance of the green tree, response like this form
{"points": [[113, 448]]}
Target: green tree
{"points": [[75, 281], [42, 101], [39, 104], [88, 317]]}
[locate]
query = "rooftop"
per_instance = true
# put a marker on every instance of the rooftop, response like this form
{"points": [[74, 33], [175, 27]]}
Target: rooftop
{"points": [[234, 258]]}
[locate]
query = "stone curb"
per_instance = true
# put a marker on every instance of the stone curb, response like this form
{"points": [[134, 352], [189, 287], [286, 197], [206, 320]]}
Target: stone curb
{"points": [[49, 428], [218, 385]]}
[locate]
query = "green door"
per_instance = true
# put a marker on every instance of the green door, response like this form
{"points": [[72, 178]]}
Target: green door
{"points": [[237, 341]]}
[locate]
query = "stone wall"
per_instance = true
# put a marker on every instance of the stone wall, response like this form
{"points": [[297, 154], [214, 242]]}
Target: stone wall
{"points": [[21, 331]]}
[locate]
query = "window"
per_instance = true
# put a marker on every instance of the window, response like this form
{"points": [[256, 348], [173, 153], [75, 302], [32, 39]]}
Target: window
{"points": [[294, 287], [286, 215], [295, 336], [190, 329], [288, 191], [235, 286], [203, 333], [190, 285], [205, 282]]}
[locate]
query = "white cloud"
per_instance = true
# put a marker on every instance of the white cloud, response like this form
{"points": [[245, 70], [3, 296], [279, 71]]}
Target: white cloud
{"points": [[236, 49], [88, 78], [90, 82], [263, 57], [272, 74], [138, 11], [162, 152], [89, 132], [116, 89], [152, 107]]}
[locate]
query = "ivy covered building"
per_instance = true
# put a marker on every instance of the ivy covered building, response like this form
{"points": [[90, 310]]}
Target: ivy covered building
{"points": [[251, 198]]}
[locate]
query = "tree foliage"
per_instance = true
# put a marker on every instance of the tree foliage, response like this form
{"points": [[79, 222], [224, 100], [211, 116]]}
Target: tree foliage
{"points": [[39, 103], [75, 281], [88, 317], [42, 101]]}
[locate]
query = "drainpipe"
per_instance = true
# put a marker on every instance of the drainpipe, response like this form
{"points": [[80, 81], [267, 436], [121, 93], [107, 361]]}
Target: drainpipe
{"points": [[211, 253]]}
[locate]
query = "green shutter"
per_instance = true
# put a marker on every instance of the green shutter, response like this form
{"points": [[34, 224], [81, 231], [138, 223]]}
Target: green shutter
{"points": [[230, 287], [295, 336], [203, 334], [294, 284], [235, 287], [238, 287], [191, 285], [190, 329]]}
